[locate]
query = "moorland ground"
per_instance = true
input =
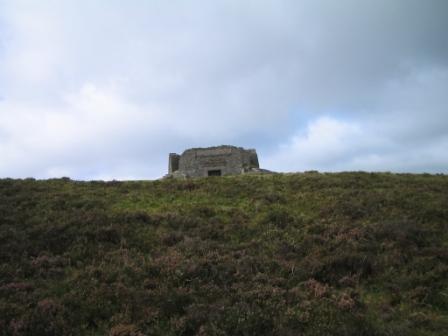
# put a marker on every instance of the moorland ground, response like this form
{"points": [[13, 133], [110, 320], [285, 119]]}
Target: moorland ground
{"points": [[285, 254]]}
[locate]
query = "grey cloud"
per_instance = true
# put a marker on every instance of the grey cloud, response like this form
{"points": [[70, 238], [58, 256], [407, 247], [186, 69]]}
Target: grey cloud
{"points": [[198, 73]]}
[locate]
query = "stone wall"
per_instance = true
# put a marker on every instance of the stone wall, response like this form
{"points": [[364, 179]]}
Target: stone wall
{"points": [[173, 163], [222, 160]]}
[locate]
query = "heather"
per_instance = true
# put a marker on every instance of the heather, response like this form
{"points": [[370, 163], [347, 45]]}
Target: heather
{"points": [[283, 254]]}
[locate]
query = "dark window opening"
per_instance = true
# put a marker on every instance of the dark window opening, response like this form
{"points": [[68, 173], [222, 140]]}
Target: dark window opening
{"points": [[214, 172]]}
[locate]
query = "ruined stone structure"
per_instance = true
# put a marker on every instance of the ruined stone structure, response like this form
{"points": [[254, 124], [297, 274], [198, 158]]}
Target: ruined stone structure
{"points": [[213, 161]]}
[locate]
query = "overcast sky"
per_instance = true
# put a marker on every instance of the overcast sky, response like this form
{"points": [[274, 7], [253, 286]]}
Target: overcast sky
{"points": [[105, 89]]}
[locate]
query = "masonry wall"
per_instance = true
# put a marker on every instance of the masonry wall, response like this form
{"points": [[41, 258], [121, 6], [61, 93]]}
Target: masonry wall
{"points": [[229, 160], [173, 162]]}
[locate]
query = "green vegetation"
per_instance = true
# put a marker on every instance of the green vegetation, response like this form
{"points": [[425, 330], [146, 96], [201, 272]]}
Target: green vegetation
{"points": [[297, 254]]}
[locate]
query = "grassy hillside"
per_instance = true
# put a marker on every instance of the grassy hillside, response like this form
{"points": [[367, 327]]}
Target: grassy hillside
{"points": [[301, 254]]}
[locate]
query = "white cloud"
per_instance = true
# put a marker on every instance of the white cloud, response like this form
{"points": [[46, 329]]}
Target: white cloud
{"points": [[326, 143], [329, 144], [91, 125]]}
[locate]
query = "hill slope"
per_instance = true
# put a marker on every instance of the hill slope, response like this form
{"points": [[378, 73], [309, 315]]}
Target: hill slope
{"points": [[299, 254]]}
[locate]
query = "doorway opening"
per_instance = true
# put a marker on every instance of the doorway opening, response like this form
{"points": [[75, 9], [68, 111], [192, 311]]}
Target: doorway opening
{"points": [[216, 172]]}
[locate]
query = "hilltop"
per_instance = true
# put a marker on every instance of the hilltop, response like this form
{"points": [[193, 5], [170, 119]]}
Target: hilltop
{"points": [[285, 254]]}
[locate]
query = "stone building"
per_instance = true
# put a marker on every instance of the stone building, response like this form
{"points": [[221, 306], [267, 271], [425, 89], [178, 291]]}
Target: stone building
{"points": [[213, 161]]}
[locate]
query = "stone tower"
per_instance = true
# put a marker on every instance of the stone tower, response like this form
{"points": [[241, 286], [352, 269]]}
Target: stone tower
{"points": [[213, 161]]}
